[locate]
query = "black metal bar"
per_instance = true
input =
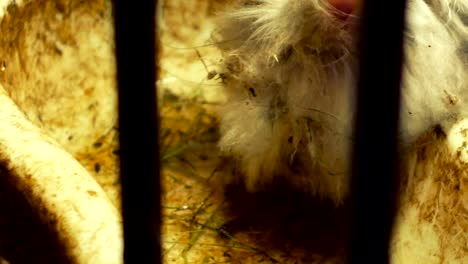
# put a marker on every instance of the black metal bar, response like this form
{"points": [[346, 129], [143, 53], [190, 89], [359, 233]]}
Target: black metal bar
{"points": [[375, 161], [135, 26]]}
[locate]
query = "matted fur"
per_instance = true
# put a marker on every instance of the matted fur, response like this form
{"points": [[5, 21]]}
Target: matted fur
{"points": [[290, 69]]}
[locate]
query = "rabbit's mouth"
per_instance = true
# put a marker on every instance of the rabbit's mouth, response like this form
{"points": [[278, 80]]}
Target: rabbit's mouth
{"points": [[345, 13], [344, 9]]}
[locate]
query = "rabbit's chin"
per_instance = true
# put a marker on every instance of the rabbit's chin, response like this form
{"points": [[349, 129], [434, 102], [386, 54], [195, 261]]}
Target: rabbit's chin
{"points": [[289, 71]]}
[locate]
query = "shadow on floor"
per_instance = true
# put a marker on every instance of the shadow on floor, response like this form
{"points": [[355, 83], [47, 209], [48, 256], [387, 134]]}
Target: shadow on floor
{"points": [[285, 219]]}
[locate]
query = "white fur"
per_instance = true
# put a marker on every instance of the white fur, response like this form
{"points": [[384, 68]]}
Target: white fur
{"points": [[290, 71]]}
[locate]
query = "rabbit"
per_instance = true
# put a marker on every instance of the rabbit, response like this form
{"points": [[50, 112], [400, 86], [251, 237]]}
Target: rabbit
{"points": [[289, 69]]}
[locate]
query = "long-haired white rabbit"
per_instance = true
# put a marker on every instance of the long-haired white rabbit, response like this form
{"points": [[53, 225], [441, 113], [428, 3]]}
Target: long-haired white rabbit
{"points": [[289, 69]]}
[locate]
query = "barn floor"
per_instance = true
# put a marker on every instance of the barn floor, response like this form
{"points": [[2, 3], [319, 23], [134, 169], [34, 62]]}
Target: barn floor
{"points": [[205, 224]]}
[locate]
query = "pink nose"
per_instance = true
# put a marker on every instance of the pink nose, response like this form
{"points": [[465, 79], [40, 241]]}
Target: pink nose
{"points": [[346, 7]]}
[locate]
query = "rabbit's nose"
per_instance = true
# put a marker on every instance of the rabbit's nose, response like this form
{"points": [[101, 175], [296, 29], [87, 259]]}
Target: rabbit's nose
{"points": [[344, 8]]}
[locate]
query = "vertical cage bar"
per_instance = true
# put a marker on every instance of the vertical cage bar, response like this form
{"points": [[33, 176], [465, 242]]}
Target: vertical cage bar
{"points": [[375, 161], [135, 26]]}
